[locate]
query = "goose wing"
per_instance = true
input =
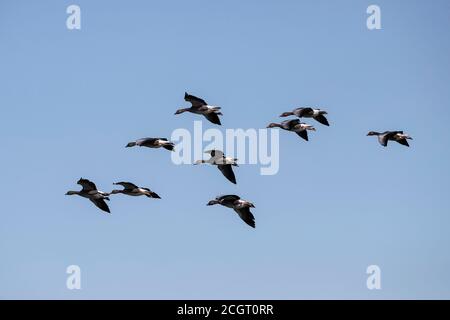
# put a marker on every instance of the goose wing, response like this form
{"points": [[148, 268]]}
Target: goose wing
{"points": [[383, 139], [321, 118], [403, 142], [227, 171], [148, 142], [391, 134], [228, 197], [303, 134], [301, 112], [87, 185], [101, 204], [127, 185], [246, 216], [290, 123], [213, 117], [151, 194], [195, 101]]}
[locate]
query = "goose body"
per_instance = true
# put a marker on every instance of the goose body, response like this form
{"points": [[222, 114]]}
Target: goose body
{"points": [[131, 189], [294, 125], [152, 143], [397, 136], [90, 191], [241, 207], [200, 106], [224, 164], [308, 112]]}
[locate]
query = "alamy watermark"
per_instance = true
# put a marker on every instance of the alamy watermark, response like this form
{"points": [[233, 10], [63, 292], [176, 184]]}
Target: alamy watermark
{"points": [[248, 146], [73, 281], [374, 20], [73, 21], [374, 280]]}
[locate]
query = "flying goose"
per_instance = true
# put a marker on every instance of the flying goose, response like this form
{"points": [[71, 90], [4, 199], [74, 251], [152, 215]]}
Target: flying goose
{"points": [[90, 192], [294, 125], [200, 106], [397, 136], [152, 143], [308, 112], [224, 164], [242, 207], [131, 189]]}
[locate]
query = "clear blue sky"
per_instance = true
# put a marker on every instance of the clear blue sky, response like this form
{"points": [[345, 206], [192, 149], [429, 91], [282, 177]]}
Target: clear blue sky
{"points": [[71, 100]]}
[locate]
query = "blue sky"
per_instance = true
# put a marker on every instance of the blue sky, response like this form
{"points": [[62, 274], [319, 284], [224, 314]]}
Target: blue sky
{"points": [[71, 100]]}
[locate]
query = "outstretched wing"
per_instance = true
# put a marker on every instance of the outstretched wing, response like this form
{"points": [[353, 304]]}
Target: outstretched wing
{"points": [[151, 194], [127, 185], [213, 117], [321, 118], [303, 134], [147, 142], [391, 134], [227, 171], [229, 197], [383, 139], [87, 185], [101, 204], [403, 142], [246, 216], [195, 101], [289, 124], [302, 112]]}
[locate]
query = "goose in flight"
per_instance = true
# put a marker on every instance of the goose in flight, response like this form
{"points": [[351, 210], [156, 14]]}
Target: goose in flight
{"points": [[200, 106], [308, 112], [131, 189], [397, 136], [241, 207], [152, 143], [91, 192], [294, 125], [224, 164]]}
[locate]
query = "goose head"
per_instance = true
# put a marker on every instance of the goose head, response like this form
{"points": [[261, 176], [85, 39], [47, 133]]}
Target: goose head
{"points": [[212, 202], [180, 110], [274, 125], [372, 133], [286, 114]]}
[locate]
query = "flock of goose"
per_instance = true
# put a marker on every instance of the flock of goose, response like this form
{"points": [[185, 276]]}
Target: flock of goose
{"points": [[217, 158]]}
